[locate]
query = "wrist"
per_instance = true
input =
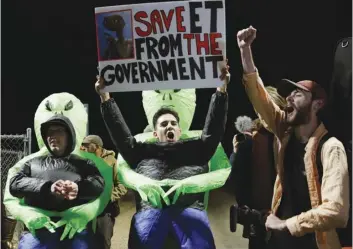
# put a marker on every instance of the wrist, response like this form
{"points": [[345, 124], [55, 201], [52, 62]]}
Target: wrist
{"points": [[284, 226], [104, 97], [245, 48], [222, 89]]}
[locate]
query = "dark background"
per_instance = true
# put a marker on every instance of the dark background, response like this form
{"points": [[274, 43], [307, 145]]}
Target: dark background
{"points": [[50, 46]]}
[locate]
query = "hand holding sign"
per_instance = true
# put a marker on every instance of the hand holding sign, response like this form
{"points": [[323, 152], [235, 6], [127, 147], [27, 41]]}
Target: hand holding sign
{"points": [[225, 77], [99, 86]]}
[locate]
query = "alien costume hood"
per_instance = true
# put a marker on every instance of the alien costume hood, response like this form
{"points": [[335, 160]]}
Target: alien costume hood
{"points": [[184, 103], [59, 119], [56, 107]]}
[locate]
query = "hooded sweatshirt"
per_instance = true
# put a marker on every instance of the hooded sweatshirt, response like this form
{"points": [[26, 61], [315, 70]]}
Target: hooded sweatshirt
{"points": [[34, 180]]}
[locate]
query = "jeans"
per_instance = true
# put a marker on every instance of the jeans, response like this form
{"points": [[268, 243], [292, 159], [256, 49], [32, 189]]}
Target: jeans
{"points": [[47, 240], [171, 228]]}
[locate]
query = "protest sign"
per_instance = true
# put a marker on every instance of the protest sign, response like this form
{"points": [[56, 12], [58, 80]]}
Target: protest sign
{"points": [[167, 45]]}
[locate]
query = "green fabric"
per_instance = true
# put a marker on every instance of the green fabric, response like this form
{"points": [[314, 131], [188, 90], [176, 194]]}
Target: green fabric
{"points": [[184, 103], [150, 190], [76, 218]]}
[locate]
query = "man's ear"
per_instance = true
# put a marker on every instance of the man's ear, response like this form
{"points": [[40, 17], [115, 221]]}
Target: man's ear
{"points": [[154, 133], [318, 104]]}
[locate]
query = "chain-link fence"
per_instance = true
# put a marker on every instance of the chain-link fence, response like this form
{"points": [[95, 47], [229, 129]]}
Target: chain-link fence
{"points": [[13, 149]]}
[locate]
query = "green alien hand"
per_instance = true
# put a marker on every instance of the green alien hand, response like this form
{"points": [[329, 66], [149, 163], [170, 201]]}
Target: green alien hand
{"points": [[73, 225]]}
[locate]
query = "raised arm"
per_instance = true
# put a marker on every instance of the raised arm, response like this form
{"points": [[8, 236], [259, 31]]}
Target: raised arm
{"points": [[216, 118], [254, 87], [117, 127]]}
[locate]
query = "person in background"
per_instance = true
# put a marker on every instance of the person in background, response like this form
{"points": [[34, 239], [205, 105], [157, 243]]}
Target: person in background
{"points": [[253, 172], [8, 227], [106, 221]]}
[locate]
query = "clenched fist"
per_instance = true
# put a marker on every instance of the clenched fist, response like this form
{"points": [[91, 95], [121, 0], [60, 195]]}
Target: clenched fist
{"points": [[246, 36]]}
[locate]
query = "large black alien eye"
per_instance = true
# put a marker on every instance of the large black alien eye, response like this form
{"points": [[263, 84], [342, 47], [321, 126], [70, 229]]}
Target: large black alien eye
{"points": [[176, 90], [48, 106], [157, 91], [69, 105]]}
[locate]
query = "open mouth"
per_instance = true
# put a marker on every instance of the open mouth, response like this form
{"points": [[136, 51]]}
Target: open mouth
{"points": [[289, 110], [170, 135]]}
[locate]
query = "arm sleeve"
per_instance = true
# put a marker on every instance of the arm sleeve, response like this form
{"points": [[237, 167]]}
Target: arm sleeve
{"points": [[263, 104], [22, 185], [241, 171], [120, 133], [92, 185], [334, 210], [214, 125]]}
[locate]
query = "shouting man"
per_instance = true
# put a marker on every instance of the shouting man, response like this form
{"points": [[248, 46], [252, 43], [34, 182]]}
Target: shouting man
{"points": [[311, 193], [185, 223]]}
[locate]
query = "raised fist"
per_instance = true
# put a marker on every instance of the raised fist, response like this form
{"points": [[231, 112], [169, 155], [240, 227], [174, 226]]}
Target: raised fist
{"points": [[246, 36]]}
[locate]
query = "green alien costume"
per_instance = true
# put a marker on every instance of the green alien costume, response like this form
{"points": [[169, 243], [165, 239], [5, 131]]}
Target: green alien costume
{"points": [[75, 218], [184, 103]]}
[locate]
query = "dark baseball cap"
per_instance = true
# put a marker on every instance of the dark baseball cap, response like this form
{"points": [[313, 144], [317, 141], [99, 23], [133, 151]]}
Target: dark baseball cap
{"points": [[285, 87]]}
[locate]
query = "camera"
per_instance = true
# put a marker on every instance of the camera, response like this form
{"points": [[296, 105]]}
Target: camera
{"points": [[253, 221]]}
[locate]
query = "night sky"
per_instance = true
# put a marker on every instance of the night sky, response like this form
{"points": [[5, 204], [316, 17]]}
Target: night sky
{"points": [[50, 46]]}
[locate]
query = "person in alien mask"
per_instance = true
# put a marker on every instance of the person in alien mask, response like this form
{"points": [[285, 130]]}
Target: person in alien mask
{"points": [[58, 185], [171, 163]]}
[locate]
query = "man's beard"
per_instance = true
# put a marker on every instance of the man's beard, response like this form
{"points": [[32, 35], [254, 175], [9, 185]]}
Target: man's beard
{"points": [[301, 117]]}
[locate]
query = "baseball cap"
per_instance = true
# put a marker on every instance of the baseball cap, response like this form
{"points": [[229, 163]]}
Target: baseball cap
{"points": [[94, 139], [285, 87]]}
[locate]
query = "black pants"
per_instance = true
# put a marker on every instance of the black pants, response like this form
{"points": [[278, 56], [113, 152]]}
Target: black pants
{"points": [[105, 229], [257, 243]]}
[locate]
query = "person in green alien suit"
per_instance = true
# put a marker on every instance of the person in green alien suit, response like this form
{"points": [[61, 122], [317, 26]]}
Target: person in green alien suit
{"points": [[183, 101], [59, 185], [172, 167]]}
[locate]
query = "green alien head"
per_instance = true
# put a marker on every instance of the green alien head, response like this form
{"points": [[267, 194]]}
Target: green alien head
{"points": [[183, 101], [67, 105]]}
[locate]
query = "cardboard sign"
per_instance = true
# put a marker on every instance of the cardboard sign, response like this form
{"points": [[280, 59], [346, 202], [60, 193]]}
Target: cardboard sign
{"points": [[161, 45]]}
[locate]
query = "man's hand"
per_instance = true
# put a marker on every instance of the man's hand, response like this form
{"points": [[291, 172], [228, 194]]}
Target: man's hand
{"points": [[71, 190], [99, 86], [235, 144], [245, 37], [65, 189], [57, 188], [225, 77], [275, 223]]}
